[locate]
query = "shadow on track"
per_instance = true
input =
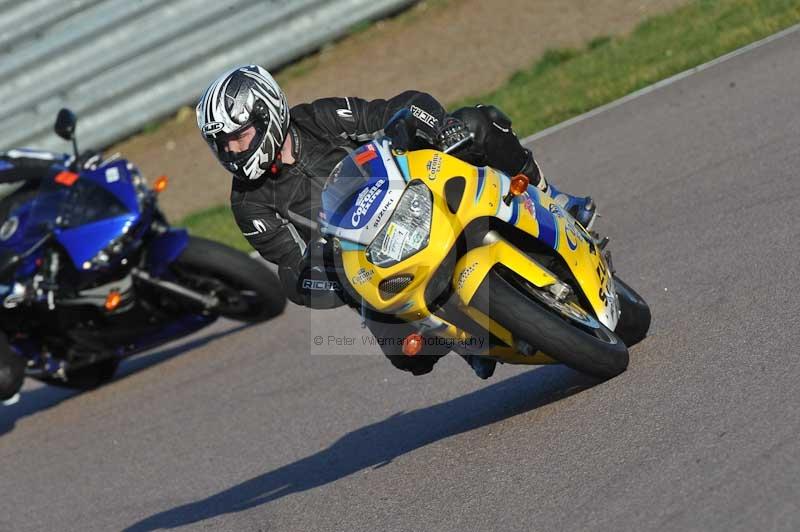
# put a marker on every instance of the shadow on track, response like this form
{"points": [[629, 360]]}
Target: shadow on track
{"points": [[33, 401], [378, 444]]}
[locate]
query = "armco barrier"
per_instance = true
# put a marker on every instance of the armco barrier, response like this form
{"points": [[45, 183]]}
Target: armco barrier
{"points": [[120, 64]]}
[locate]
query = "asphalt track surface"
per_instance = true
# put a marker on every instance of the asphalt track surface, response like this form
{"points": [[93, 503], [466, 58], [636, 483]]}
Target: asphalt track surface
{"points": [[244, 429]]}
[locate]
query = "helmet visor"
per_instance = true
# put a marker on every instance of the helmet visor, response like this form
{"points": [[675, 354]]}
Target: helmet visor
{"points": [[239, 141], [238, 145]]}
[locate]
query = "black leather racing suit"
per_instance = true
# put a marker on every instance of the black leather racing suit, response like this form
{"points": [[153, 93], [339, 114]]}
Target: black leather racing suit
{"points": [[277, 213]]}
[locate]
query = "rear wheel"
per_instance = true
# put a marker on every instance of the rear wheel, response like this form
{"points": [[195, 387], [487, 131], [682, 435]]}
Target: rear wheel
{"points": [[247, 289], [561, 329]]}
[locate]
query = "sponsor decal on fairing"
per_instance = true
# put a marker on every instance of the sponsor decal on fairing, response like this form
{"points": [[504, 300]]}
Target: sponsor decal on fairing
{"points": [[362, 276], [365, 200], [434, 166]]}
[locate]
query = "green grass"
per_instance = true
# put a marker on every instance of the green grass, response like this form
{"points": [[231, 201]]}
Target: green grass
{"points": [[152, 127], [566, 82], [216, 223]]}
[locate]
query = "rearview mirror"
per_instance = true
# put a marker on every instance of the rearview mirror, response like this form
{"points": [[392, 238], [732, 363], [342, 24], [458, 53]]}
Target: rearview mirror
{"points": [[65, 124]]}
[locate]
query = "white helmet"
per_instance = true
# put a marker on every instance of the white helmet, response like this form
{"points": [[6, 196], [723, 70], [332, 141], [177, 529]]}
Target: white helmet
{"points": [[244, 117]]}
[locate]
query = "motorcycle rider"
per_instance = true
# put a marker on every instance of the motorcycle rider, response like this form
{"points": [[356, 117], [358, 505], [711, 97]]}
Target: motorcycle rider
{"points": [[280, 158]]}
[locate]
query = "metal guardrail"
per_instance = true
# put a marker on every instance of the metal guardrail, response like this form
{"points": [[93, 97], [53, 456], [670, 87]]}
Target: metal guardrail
{"points": [[120, 64]]}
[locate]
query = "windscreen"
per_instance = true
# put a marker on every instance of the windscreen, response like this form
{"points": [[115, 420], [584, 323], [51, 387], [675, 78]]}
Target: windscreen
{"points": [[341, 190], [361, 193]]}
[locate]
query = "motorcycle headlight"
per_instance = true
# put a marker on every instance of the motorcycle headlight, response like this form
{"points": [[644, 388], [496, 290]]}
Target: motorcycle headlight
{"points": [[113, 251], [408, 230], [140, 186]]}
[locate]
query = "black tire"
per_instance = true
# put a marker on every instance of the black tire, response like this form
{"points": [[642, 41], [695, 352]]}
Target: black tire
{"points": [[248, 290], [634, 319], [87, 377], [506, 299], [12, 370]]}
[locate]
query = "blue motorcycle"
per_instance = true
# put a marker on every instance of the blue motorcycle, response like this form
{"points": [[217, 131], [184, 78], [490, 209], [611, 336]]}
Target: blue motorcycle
{"points": [[91, 272]]}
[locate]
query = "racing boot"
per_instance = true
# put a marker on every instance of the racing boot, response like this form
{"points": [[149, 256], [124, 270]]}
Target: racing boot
{"points": [[583, 209], [482, 366]]}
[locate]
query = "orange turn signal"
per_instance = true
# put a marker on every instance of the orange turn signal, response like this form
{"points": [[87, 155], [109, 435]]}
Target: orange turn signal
{"points": [[113, 300], [412, 344], [66, 178], [160, 184], [519, 184]]}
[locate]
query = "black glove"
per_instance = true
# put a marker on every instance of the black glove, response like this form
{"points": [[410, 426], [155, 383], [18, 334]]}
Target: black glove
{"points": [[452, 132], [401, 129], [88, 160], [404, 130]]}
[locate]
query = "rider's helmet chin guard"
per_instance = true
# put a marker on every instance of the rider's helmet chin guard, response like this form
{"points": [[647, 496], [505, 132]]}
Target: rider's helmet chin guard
{"points": [[245, 103]]}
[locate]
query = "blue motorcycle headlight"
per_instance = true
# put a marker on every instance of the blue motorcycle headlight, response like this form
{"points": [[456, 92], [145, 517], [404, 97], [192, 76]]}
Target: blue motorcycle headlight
{"points": [[114, 251], [140, 185], [408, 230]]}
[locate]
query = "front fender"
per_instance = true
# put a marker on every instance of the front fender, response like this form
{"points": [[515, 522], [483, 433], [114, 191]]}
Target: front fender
{"points": [[165, 249], [474, 266]]}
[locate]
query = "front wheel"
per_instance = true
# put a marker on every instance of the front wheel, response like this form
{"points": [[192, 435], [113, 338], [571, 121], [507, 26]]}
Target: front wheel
{"points": [[247, 289], [634, 319], [12, 370], [562, 330]]}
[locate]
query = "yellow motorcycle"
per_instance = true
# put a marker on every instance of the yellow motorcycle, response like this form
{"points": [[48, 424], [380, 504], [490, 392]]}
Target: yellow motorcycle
{"points": [[479, 260]]}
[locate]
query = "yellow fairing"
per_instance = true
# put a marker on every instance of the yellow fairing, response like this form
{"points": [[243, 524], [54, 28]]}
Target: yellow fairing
{"points": [[482, 197]]}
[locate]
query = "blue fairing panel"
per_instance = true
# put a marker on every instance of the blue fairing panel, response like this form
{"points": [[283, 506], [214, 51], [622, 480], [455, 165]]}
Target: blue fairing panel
{"points": [[116, 178], [84, 242], [13, 229], [165, 249]]}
